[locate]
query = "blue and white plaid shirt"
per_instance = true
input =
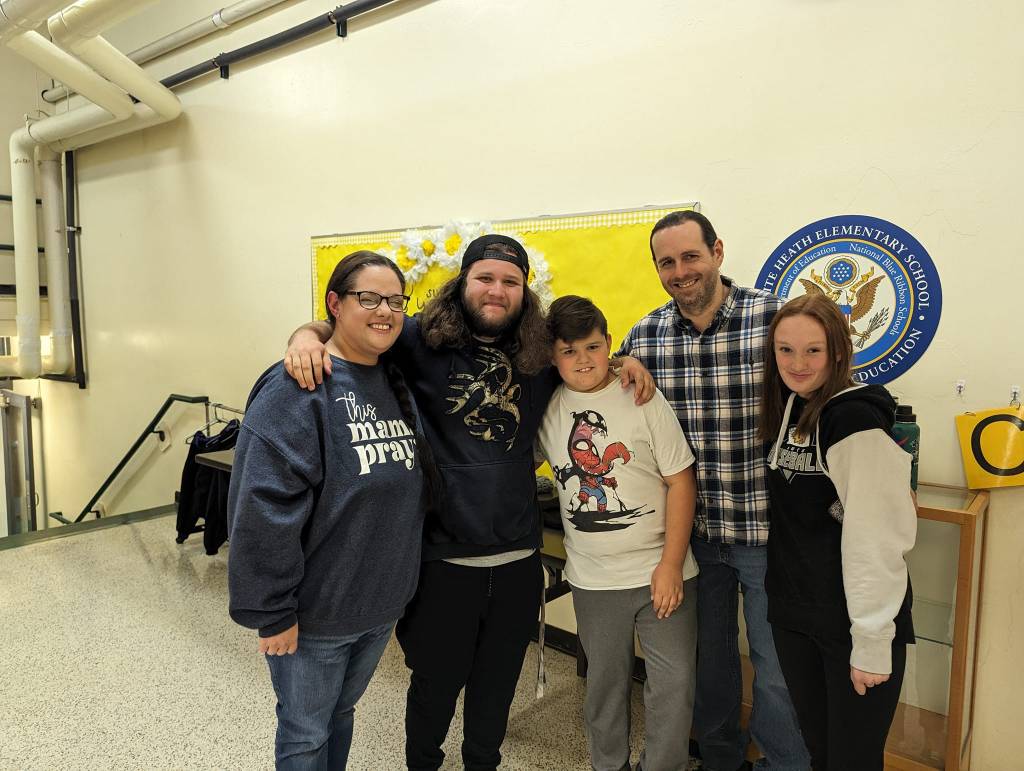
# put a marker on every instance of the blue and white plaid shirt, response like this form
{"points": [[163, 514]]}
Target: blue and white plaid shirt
{"points": [[712, 379]]}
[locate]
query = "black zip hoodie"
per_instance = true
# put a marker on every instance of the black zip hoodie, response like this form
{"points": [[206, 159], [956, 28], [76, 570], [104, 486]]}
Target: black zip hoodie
{"points": [[842, 520], [480, 415]]}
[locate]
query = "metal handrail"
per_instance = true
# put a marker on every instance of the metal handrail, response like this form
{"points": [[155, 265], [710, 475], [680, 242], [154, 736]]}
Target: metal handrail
{"points": [[150, 429]]}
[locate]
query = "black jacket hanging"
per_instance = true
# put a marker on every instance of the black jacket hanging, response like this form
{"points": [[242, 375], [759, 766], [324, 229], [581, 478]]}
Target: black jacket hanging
{"points": [[204, 490]]}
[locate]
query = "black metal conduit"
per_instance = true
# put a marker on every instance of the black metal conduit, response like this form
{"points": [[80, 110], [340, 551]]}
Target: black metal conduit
{"points": [[73, 298], [150, 429], [5, 197], [10, 248], [10, 290], [338, 18]]}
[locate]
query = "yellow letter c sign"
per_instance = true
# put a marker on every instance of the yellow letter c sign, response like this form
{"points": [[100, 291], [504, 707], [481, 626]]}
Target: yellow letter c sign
{"points": [[992, 445]]}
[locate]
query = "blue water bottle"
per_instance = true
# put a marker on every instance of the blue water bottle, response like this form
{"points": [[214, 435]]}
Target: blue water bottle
{"points": [[907, 434]]}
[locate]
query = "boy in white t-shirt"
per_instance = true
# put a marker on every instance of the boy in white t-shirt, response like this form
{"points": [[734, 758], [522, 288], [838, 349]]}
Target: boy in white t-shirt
{"points": [[626, 488]]}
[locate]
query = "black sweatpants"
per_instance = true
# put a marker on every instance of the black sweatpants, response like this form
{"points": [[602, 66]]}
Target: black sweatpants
{"points": [[843, 730], [466, 627]]}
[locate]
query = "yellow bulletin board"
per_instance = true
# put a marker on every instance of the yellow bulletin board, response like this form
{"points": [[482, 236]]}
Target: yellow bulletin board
{"points": [[600, 255]]}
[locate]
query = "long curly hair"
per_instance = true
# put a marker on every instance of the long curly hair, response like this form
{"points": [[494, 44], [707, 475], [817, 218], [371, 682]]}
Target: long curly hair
{"points": [[443, 323]]}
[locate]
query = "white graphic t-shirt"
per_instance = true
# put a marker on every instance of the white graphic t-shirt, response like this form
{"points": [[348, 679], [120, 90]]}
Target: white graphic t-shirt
{"points": [[609, 457]]}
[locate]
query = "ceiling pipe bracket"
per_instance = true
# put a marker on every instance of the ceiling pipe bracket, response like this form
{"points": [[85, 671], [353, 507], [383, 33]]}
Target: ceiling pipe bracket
{"points": [[341, 25]]}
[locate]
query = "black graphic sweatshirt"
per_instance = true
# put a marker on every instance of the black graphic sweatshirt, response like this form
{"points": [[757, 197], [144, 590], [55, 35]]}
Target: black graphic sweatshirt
{"points": [[324, 507], [842, 519], [481, 417]]}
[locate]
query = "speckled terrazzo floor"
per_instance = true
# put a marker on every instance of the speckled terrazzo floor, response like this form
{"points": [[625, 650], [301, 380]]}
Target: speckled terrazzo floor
{"points": [[118, 654]]}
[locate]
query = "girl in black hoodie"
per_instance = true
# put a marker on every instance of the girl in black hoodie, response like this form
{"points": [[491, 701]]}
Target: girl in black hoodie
{"points": [[842, 518]]}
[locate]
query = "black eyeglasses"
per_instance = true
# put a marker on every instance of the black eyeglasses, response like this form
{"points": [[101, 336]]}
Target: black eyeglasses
{"points": [[372, 300]]}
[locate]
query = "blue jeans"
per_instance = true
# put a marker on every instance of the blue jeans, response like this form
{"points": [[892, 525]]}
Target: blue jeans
{"points": [[317, 689], [725, 568]]}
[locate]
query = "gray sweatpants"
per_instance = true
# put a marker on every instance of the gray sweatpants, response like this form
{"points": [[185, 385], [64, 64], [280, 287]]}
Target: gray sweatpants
{"points": [[605, 620]]}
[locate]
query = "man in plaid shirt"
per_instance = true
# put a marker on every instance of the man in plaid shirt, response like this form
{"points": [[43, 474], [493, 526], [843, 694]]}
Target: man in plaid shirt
{"points": [[706, 351]]}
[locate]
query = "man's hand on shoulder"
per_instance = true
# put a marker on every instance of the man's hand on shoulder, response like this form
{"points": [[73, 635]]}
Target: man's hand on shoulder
{"points": [[306, 359], [632, 371]]}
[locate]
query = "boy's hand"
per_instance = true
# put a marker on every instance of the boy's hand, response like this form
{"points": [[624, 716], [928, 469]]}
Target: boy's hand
{"points": [[307, 359], [666, 589]]}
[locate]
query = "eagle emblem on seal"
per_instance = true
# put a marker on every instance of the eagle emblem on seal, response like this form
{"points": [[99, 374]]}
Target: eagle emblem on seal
{"points": [[854, 293]]}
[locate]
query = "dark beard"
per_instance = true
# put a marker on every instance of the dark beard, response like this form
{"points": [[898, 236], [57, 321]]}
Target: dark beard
{"points": [[708, 294], [481, 327]]}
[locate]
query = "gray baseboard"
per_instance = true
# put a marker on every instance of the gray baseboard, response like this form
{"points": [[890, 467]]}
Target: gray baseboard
{"points": [[37, 536]]}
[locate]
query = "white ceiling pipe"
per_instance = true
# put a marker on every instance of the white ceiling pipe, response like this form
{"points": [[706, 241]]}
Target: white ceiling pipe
{"points": [[77, 28], [143, 118], [55, 244], [50, 130], [26, 257], [17, 16], [222, 19], [88, 18], [29, 362], [62, 65], [113, 64], [111, 104]]}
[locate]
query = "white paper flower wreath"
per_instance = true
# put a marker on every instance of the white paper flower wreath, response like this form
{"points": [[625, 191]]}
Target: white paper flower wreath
{"points": [[415, 251]]}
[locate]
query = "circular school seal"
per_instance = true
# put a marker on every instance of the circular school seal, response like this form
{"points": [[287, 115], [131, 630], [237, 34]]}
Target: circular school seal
{"points": [[878, 274]]}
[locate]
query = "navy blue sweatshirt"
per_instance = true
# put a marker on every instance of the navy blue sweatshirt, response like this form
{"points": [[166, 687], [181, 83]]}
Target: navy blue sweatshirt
{"points": [[481, 417], [324, 507]]}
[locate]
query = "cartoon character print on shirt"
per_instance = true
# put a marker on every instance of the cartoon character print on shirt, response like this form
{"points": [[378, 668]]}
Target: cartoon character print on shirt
{"points": [[488, 397], [798, 455], [374, 441], [592, 467]]}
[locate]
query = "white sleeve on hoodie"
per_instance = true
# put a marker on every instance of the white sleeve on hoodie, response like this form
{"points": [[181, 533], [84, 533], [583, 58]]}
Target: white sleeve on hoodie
{"points": [[871, 474]]}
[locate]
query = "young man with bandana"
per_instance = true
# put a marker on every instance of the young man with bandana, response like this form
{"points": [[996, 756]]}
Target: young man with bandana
{"points": [[478, 363]]}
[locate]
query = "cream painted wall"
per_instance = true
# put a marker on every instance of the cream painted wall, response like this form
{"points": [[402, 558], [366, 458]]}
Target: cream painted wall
{"points": [[195, 246]]}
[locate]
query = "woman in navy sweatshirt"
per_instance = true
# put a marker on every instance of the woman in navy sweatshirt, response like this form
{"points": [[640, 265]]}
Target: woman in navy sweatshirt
{"points": [[325, 517], [842, 518]]}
